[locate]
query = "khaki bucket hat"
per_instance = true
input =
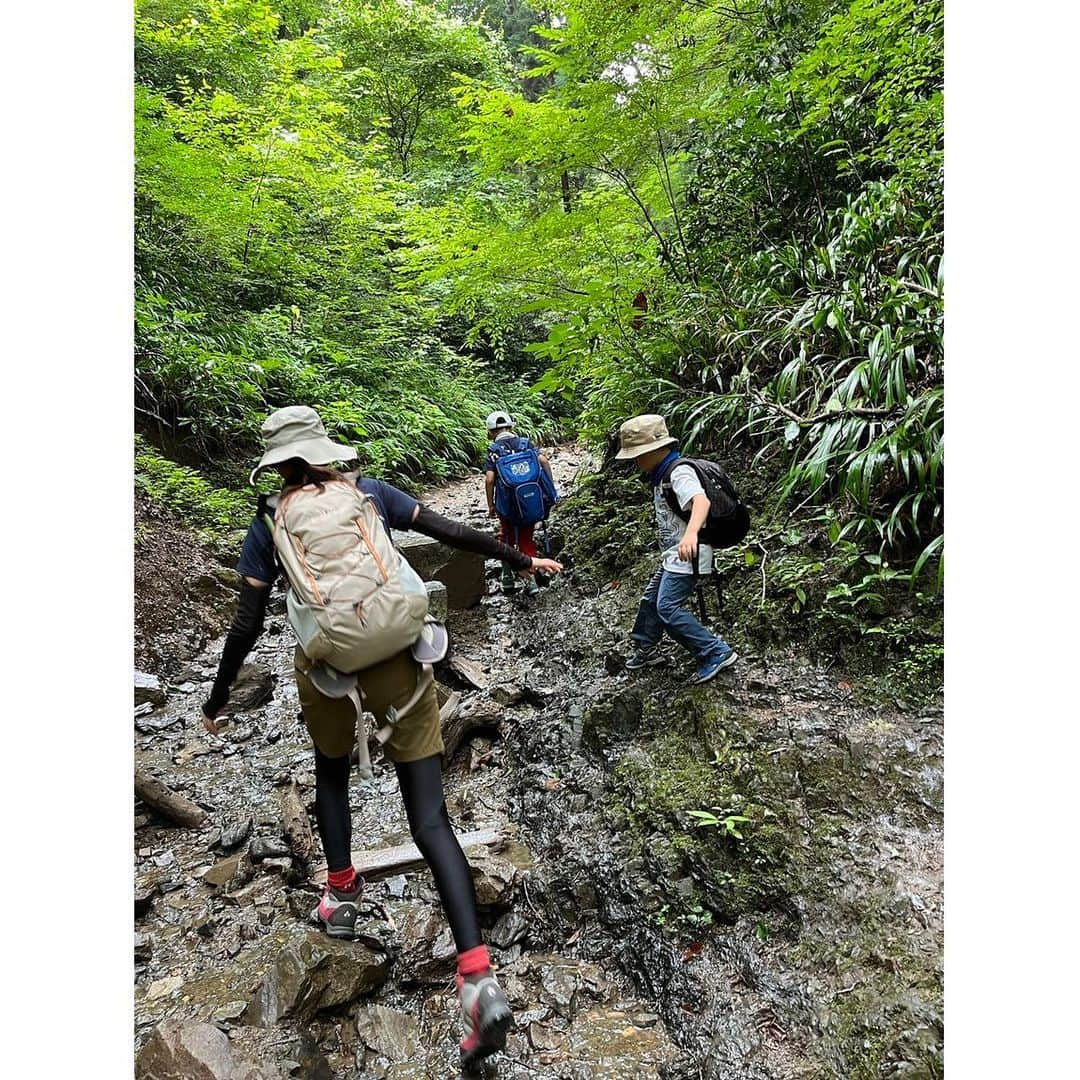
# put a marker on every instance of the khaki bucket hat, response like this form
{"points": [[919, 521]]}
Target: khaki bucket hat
{"points": [[297, 432], [641, 435]]}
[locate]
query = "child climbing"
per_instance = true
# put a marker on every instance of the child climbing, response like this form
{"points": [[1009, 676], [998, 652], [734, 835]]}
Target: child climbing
{"points": [[520, 491], [682, 510]]}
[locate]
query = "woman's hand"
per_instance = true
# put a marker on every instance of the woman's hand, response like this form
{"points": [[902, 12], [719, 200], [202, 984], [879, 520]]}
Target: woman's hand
{"points": [[548, 566], [210, 723]]}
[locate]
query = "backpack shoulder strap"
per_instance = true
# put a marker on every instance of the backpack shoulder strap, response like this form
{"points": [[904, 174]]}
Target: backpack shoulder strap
{"points": [[669, 492]]}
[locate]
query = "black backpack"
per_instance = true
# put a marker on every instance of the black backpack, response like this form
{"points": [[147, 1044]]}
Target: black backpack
{"points": [[729, 520]]}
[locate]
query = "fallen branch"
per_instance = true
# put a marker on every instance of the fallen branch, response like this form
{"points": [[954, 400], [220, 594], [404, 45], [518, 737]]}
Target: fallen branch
{"points": [[383, 862], [461, 726], [168, 803], [297, 826]]}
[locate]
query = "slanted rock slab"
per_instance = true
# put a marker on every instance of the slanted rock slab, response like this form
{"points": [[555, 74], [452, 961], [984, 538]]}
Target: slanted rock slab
{"points": [[389, 1032], [184, 1050], [314, 972]]}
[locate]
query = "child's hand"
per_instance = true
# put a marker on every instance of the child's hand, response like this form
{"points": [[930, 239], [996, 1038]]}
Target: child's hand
{"points": [[210, 723], [548, 566], [688, 548]]}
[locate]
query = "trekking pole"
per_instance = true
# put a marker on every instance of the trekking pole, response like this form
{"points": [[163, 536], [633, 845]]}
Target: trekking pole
{"points": [[699, 590]]}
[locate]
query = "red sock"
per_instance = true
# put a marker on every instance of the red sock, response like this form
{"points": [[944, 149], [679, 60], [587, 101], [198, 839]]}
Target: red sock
{"points": [[342, 880], [473, 961]]}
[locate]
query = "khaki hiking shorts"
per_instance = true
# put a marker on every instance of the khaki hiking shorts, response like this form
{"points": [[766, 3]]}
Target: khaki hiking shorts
{"points": [[331, 722]]}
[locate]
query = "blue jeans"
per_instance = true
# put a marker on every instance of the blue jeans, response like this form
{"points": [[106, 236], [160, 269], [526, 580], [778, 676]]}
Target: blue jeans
{"points": [[661, 609]]}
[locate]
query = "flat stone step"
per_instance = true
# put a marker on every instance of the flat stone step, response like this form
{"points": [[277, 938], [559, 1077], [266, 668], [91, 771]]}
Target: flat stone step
{"points": [[462, 572]]}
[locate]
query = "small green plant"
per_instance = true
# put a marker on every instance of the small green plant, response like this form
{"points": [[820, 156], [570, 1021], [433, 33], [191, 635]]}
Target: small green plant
{"points": [[728, 824]]}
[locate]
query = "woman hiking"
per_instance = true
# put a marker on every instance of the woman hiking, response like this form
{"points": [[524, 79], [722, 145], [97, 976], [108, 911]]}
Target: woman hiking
{"points": [[298, 448]]}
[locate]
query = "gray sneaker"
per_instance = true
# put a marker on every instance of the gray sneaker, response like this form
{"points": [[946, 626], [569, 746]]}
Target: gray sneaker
{"points": [[486, 1015], [337, 911]]}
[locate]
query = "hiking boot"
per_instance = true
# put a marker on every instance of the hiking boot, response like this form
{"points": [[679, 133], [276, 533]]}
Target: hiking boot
{"points": [[486, 1016], [338, 911], [714, 667], [532, 588], [644, 658], [508, 579]]}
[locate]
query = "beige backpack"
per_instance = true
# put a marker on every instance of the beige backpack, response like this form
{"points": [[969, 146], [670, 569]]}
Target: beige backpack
{"points": [[353, 600]]}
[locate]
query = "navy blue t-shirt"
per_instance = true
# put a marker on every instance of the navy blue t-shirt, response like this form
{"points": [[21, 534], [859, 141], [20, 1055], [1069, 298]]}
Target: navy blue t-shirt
{"points": [[257, 555]]}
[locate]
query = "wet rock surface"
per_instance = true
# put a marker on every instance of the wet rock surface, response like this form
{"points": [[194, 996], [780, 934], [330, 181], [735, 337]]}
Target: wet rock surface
{"points": [[631, 940]]}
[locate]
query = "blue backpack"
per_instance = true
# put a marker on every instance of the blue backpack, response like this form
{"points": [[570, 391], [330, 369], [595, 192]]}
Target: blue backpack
{"points": [[524, 495]]}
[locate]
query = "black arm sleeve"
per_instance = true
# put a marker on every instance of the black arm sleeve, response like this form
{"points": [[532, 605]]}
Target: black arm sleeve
{"points": [[461, 536], [246, 627]]}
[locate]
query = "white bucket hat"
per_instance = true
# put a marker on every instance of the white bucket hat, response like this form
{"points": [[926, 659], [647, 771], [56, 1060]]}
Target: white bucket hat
{"points": [[642, 434], [297, 432]]}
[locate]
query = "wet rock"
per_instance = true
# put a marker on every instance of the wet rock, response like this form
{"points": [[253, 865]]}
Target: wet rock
{"points": [[148, 688], [494, 876], [232, 873], [510, 929], [426, 954], [462, 572], [183, 1050], [235, 835], [146, 888], [314, 972], [565, 983], [254, 686], [438, 600], [507, 694], [397, 885], [262, 892], [153, 725], [468, 671], [612, 719], [392, 1034], [265, 847], [603, 1043], [144, 947]]}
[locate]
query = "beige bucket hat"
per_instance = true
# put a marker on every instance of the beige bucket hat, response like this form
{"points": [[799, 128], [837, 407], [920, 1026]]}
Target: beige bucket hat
{"points": [[297, 432], [641, 435]]}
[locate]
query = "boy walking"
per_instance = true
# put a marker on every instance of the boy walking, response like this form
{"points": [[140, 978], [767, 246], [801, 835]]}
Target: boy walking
{"points": [[515, 533], [645, 441]]}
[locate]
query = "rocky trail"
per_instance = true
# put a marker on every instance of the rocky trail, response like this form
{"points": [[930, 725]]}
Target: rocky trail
{"points": [[812, 948]]}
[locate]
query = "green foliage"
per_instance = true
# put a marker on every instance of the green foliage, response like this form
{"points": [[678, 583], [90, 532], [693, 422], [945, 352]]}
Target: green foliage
{"points": [[734, 216], [398, 212], [216, 511], [268, 231]]}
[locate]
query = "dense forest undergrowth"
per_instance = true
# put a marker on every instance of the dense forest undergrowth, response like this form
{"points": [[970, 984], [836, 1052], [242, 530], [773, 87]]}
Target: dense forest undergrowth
{"points": [[409, 214]]}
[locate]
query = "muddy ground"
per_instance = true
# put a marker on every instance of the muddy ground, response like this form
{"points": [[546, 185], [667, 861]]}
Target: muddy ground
{"points": [[796, 934]]}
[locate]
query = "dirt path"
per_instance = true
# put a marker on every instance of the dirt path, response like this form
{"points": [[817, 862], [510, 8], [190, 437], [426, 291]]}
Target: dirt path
{"points": [[572, 906]]}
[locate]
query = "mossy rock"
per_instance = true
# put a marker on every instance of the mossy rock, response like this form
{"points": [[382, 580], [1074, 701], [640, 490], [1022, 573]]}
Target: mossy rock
{"points": [[706, 763]]}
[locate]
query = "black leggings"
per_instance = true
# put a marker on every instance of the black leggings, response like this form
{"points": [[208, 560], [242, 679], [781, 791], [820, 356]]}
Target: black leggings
{"points": [[422, 792]]}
